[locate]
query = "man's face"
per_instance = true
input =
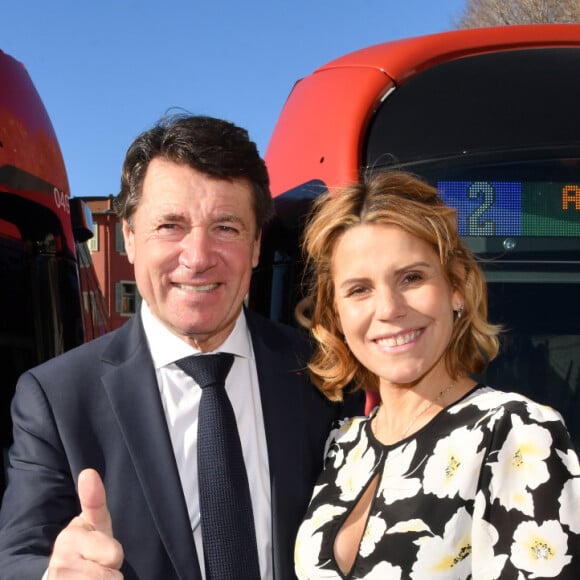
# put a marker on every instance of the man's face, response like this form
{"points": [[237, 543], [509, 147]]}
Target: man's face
{"points": [[193, 245]]}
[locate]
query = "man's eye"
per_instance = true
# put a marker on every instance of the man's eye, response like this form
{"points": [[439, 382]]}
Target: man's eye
{"points": [[168, 229], [224, 229]]}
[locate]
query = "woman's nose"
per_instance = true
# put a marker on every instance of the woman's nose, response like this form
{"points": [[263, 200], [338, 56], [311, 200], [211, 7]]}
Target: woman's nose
{"points": [[390, 304]]}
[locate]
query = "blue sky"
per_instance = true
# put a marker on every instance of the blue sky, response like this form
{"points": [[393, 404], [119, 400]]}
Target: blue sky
{"points": [[108, 70]]}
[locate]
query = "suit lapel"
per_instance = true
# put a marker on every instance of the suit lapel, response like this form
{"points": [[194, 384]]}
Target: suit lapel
{"points": [[279, 370], [134, 395]]}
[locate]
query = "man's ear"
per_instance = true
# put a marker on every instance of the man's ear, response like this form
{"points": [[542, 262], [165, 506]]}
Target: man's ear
{"points": [[256, 249], [129, 238]]}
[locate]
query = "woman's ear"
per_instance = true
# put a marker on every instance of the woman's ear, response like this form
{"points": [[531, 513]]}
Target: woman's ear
{"points": [[457, 301], [458, 279]]}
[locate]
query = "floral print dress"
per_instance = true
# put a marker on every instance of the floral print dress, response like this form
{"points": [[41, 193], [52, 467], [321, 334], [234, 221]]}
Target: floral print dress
{"points": [[489, 488]]}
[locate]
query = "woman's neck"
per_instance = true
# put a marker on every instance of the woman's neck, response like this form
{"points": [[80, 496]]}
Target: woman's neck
{"points": [[407, 408]]}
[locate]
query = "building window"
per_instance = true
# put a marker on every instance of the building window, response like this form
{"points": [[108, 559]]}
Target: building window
{"points": [[93, 243], [119, 239], [127, 298]]}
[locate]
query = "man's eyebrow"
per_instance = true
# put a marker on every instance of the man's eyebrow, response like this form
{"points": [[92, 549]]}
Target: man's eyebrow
{"points": [[230, 217], [169, 216]]}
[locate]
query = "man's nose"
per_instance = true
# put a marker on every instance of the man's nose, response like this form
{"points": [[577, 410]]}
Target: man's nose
{"points": [[197, 250]]}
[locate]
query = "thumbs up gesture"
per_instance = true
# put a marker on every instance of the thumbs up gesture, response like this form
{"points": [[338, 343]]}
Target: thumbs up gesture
{"points": [[86, 548]]}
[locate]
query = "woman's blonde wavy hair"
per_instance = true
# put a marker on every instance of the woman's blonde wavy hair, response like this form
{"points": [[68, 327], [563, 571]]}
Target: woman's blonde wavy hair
{"points": [[401, 199]]}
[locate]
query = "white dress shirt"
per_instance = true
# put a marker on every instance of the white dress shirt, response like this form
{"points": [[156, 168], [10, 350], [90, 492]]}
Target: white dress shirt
{"points": [[180, 396]]}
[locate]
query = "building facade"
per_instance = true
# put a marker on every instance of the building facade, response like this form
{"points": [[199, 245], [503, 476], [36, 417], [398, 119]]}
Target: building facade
{"points": [[114, 272]]}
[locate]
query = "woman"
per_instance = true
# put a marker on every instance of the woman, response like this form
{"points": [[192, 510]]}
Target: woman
{"points": [[446, 478]]}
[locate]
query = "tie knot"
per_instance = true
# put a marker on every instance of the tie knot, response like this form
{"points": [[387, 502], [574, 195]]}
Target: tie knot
{"points": [[207, 369]]}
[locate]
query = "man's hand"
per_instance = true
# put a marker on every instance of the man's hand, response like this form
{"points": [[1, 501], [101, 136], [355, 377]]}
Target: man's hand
{"points": [[86, 548]]}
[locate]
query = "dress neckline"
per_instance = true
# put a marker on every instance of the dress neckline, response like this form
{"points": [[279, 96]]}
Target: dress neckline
{"points": [[428, 426]]}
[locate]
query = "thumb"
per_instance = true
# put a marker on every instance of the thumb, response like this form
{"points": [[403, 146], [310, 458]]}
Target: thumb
{"points": [[93, 501]]}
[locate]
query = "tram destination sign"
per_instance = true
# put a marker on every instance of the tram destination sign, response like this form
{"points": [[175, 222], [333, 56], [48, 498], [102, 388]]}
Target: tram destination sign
{"points": [[514, 208]]}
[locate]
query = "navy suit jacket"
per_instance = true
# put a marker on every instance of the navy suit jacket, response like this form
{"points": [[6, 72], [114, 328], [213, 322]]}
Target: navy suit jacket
{"points": [[99, 406]]}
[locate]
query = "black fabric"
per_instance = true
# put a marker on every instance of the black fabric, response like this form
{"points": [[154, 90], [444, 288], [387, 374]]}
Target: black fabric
{"points": [[227, 522]]}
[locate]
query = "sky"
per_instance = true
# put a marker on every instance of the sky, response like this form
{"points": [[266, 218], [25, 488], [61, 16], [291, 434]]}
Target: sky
{"points": [[109, 69]]}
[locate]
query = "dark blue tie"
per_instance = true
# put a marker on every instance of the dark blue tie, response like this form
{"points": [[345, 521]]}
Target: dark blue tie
{"points": [[227, 522]]}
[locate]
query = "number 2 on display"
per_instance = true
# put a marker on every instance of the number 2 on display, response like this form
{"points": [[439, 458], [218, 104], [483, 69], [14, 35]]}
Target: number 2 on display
{"points": [[477, 225]]}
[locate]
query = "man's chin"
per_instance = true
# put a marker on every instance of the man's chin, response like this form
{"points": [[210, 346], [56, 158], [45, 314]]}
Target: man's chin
{"points": [[203, 337]]}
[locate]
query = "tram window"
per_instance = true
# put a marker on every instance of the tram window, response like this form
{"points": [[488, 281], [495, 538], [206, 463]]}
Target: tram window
{"points": [[540, 351]]}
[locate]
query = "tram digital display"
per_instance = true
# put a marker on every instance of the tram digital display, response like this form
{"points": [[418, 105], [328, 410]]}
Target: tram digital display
{"points": [[514, 208]]}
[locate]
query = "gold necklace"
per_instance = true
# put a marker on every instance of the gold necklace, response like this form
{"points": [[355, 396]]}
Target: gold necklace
{"points": [[425, 408]]}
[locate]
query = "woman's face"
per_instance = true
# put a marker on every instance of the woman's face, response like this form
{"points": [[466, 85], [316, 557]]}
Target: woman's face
{"points": [[394, 303]]}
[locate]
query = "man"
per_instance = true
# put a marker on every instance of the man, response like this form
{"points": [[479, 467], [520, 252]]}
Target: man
{"points": [[119, 416]]}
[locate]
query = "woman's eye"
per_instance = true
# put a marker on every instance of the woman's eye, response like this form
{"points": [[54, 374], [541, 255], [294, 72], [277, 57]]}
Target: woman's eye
{"points": [[356, 291], [412, 278]]}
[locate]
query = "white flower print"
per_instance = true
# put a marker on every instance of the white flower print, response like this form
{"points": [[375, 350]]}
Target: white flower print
{"points": [[569, 500], [450, 470], [487, 399], [323, 514], [384, 571], [484, 398], [394, 484], [542, 413], [375, 530], [346, 432], [486, 565], [309, 540], [306, 554], [317, 490], [354, 474], [334, 457], [447, 557], [414, 525], [570, 460], [540, 549], [520, 466], [494, 416]]}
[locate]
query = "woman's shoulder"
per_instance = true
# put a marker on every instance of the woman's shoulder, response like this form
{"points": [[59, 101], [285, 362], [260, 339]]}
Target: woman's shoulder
{"points": [[494, 403], [503, 415]]}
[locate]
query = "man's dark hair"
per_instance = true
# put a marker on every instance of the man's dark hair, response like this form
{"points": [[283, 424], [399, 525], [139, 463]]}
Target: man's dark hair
{"points": [[214, 147]]}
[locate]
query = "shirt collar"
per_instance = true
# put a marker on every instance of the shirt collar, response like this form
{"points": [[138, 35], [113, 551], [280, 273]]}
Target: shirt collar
{"points": [[166, 347]]}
